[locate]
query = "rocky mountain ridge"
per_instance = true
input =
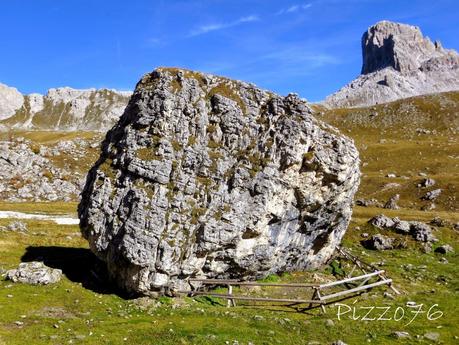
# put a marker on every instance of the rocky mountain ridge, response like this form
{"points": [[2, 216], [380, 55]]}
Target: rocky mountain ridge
{"points": [[63, 108], [398, 62]]}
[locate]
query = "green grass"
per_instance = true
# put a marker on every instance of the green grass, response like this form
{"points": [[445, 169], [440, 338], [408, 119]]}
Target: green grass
{"points": [[79, 311], [52, 208]]}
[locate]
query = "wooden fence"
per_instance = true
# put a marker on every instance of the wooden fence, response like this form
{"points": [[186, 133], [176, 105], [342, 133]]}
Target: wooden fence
{"points": [[321, 294]]}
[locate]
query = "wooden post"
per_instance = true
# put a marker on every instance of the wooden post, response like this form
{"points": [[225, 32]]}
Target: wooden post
{"points": [[314, 295], [320, 299], [231, 302]]}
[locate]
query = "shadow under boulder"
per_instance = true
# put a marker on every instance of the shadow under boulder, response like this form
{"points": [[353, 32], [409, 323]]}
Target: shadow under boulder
{"points": [[79, 265]]}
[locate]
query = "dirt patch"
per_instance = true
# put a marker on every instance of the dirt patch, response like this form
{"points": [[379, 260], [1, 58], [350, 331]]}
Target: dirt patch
{"points": [[55, 313]]}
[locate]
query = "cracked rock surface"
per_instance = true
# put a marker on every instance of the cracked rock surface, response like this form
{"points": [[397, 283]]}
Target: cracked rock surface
{"points": [[209, 177]]}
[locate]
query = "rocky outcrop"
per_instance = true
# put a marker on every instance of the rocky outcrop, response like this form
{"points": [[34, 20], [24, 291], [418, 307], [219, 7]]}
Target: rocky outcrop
{"points": [[30, 171], [209, 177], [61, 109], [398, 62], [10, 100], [421, 232]]}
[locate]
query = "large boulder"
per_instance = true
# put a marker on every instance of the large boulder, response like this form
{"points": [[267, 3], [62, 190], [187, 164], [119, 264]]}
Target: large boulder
{"points": [[209, 177]]}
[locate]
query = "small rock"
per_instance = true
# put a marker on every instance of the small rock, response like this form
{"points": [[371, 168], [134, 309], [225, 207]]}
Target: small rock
{"points": [[392, 202], [432, 195], [401, 335], [388, 295], [381, 221], [421, 232], [329, 323], [339, 342], [437, 221], [401, 226], [368, 203], [444, 249], [427, 182], [427, 247], [35, 273], [379, 242], [434, 336], [391, 175], [17, 226]]}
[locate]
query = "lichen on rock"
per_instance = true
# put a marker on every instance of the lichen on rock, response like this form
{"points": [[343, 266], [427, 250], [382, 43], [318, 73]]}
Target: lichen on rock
{"points": [[204, 176]]}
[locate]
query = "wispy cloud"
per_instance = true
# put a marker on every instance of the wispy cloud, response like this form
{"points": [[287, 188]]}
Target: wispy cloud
{"points": [[204, 29], [294, 8]]}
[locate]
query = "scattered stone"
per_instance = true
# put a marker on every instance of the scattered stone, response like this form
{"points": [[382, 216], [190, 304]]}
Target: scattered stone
{"points": [[379, 242], [381, 221], [401, 226], [388, 295], [368, 203], [391, 185], [437, 221], [429, 207], [17, 226], [427, 247], [35, 273], [427, 182], [329, 323], [198, 187], [432, 195], [365, 235], [401, 335], [444, 249], [392, 202], [339, 342], [434, 336], [444, 261], [421, 232]]}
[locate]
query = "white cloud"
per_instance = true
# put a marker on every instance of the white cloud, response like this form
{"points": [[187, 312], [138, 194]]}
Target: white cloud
{"points": [[294, 8], [220, 26]]}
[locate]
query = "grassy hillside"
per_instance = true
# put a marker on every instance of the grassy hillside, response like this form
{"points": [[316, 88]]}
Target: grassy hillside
{"points": [[409, 138], [84, 309]]}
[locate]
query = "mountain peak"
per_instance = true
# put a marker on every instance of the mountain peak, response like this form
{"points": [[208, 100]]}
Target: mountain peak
{"points": [[398, 62], [400, 46]]}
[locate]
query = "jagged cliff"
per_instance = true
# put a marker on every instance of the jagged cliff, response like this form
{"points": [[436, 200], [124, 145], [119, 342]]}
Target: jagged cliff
{"points": [[211, 177], [398, 62], [61, 109]]}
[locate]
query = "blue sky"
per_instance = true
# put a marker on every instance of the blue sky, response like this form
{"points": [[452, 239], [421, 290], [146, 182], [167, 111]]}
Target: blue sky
{"points": [[309, 47]]}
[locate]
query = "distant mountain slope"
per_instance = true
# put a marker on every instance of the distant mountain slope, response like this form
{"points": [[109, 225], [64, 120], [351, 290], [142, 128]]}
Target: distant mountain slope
{"points": [[403, 142], [398, 62], [61, 109]]}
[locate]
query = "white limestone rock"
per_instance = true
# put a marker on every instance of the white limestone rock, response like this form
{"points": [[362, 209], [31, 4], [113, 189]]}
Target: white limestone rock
{"points": [[209, 177]]}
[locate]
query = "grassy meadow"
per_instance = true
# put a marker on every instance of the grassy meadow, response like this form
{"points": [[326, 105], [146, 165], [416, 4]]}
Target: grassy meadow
{"points": [[83, 308]]}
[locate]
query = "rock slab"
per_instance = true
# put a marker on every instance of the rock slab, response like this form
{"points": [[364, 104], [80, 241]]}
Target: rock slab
{"points": [[209, 177]]}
